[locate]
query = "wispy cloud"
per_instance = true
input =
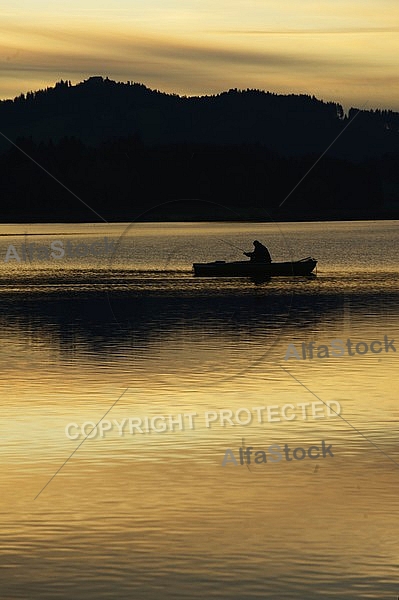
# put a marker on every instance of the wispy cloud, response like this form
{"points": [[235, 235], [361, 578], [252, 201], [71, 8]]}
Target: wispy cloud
{"points": [[315, 31], [103, 50]]}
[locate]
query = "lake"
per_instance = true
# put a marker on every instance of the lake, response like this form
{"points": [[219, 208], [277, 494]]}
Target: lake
{"points": [[190, 487]]}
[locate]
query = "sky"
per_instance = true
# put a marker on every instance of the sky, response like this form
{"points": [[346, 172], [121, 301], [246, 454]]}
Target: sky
{"points": [[342, 51]]}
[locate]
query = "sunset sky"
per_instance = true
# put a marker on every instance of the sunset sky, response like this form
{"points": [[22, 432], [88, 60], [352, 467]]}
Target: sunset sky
{"points": [[346, 52]]}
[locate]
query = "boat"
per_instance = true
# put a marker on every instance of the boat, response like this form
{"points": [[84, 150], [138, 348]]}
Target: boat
{"points": [[247, 268]]}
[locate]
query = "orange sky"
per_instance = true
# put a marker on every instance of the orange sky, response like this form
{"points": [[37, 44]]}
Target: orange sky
{"points": [[346, 53]]}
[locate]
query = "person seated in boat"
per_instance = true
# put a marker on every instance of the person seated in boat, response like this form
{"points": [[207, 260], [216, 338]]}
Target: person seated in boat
{"points": [[260, 254]]}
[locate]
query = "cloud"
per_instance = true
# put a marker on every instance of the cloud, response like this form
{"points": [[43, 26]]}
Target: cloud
{"points": [[101, 50], [315, 31]]}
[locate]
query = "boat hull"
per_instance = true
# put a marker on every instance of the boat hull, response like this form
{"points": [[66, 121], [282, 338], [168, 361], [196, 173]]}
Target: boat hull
{"points": [[252, 269]]}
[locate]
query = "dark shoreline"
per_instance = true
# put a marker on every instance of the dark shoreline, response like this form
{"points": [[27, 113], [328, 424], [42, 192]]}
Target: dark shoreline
{"points": [[308, 218]]}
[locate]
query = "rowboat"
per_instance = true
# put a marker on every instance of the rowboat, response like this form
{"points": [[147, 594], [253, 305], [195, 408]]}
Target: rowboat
{"points": [[246, 268]]}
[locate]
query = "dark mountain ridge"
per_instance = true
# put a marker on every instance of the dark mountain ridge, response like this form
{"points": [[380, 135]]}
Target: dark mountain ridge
{"points": [[98, 109], [124, 149]]}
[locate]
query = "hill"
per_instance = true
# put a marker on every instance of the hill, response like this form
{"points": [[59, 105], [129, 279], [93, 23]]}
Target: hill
{"points": [[124, 148]]}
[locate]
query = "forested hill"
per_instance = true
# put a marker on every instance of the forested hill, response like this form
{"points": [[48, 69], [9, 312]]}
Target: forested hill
{"points": [[99, 109], [125, 149]]}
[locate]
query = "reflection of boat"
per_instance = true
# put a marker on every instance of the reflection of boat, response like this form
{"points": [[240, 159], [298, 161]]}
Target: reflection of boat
{"points": [[246, 268]]}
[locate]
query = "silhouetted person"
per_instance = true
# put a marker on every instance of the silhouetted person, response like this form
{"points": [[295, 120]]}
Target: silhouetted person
{"points": [[261, 254]]}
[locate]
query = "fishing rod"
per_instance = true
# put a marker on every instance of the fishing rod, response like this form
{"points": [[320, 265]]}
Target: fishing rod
{"points": [[232, 245]]}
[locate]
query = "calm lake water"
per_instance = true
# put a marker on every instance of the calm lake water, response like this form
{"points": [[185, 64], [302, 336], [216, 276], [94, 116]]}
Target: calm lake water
{"points": [[130, 334]]}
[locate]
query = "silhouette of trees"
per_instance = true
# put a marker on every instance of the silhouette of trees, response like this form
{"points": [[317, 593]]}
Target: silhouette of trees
{"points": [[124, 149]]}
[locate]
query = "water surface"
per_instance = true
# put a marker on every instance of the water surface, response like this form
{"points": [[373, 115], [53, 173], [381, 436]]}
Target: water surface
{"points": [[156, 515]]}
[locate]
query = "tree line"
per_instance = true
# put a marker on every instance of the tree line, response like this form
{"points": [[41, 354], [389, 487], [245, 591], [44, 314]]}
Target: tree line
{"points": [[127, 151]]}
